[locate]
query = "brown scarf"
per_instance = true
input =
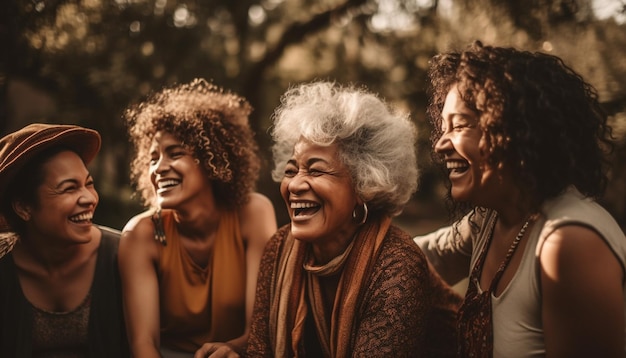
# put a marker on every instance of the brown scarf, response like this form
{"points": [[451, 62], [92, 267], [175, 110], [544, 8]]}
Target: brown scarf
{"points": [[288, 310]]}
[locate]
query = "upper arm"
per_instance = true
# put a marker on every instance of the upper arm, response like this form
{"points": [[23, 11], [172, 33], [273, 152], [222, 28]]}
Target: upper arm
{"points": [[138, 255], [397, 305], [449, 251], [582, 295], [258, 222]]}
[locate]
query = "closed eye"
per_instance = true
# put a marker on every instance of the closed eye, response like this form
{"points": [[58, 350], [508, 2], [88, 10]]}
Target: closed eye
{"points": [[69, 189], [177, 154]]}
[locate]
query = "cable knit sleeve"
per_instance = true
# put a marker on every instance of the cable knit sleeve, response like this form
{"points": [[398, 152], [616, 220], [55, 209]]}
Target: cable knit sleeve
{"points": [[403, 295], [259, 344]]}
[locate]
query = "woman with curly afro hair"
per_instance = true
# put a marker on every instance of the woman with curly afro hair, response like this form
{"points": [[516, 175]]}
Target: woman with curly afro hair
{"points": [[524, 143], [189, 263]]}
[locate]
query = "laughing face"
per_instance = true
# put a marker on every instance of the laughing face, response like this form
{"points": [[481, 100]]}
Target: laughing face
{"points": [[460, 147], [66, 200], [176, 177], [320, 198]]}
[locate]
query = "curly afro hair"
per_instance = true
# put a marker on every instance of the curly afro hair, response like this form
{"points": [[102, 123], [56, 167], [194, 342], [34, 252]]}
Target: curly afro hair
{"points": [[211, 123], [539, 118]]}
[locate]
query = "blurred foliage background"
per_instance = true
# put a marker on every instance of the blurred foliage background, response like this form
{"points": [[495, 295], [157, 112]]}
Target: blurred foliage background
{"points": [[84, 61]]}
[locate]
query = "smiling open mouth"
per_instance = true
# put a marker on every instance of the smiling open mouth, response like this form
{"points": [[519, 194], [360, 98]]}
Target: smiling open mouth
{"points": [[82, 218], [458, 166], [301, 209], [168, 183]]}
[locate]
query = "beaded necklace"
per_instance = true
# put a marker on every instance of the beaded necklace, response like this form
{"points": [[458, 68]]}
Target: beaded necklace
{"points": [[474, 317]]}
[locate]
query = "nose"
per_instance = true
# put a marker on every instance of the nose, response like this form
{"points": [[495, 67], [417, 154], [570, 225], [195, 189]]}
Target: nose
{"points": [[88, 197], [298, 183], [443, 144], [161, 165]]}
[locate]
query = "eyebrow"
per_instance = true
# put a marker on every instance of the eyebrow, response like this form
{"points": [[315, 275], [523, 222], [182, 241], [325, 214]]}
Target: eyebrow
{"points": [[309, 161], [467, 113], [175, 146], [168, 148], [72, 180]]}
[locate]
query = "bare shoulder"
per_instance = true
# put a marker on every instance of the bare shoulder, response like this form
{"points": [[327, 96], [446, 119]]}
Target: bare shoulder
{"points": [[257, 206], [257, 218], [139, 228], [258, 201], [573, 240], [577, 249], [137, 220]]}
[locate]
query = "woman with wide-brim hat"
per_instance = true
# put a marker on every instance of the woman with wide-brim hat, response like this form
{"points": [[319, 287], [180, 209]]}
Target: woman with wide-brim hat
{"points": [[59, 286]]}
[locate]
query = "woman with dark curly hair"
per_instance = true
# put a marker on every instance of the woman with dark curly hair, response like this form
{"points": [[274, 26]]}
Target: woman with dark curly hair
{"points": [[524, 141], [341, 280], [189, 264]]}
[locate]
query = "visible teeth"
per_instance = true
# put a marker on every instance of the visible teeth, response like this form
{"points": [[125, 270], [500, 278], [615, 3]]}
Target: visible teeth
{"points": [[166, 183], [303, 205], [456, 165], [82, 217]]}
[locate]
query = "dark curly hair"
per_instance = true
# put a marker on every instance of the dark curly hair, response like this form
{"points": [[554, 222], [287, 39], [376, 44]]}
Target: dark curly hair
{"points": [[539, 118], [211, 123]]}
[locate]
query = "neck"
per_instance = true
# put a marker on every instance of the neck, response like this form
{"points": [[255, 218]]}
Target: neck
{"points": [[49, 255], [197, 223], [514, 208], [323, 252], [513, 217]]}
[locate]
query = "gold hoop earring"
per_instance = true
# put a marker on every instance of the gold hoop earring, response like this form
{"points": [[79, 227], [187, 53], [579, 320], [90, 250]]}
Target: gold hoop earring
{"points": [[365, 212]]}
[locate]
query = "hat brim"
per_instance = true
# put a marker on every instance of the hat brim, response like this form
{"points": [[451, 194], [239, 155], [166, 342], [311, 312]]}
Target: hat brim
{"points": [[19, 148], [85, 142]]}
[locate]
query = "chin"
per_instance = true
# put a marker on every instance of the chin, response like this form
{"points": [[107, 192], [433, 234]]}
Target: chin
{"points": [[81, 239], [460, 198], [166, 203], [457, 195], [302, 234]]}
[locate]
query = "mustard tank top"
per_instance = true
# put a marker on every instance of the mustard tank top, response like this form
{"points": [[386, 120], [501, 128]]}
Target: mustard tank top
{"points": [[199, 305]]}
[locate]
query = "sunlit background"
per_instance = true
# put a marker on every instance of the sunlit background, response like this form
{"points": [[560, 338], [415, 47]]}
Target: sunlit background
{"points": [[84, 61]]}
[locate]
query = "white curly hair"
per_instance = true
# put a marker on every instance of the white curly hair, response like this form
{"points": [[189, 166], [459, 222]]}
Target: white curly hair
{"points": [[376, 142]]}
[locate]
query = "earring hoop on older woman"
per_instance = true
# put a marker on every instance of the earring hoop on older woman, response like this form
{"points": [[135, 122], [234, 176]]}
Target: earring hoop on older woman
{"points": [[365, 212]]}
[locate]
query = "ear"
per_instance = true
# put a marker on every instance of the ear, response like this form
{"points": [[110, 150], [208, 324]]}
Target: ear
{"points": [[22, 210], [359, 200]]}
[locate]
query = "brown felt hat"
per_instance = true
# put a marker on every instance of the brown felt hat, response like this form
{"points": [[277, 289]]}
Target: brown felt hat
{"points": [[19, 147]]}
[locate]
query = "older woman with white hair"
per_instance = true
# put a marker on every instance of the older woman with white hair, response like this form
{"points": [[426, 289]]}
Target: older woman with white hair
{"points": [[340, 279]]}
